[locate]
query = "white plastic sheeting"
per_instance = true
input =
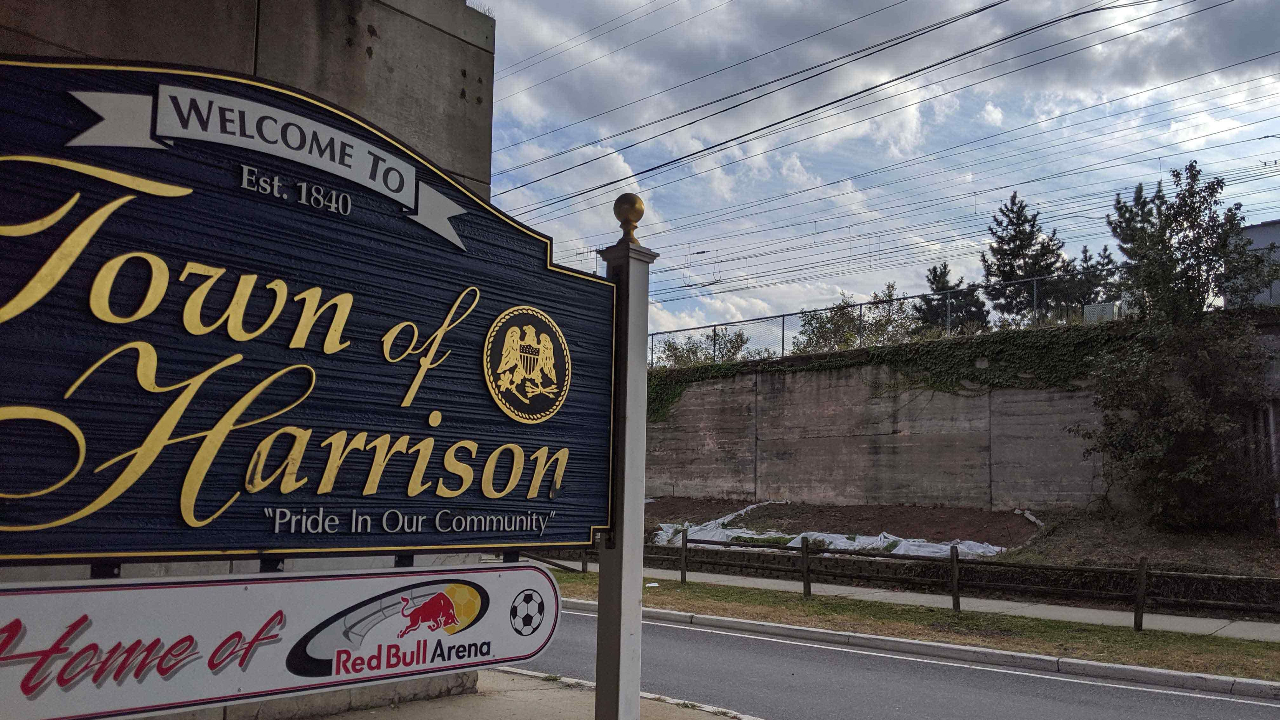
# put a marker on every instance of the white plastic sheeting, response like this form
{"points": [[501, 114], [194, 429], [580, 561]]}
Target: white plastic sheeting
{"points": [[878, 543], [720, 529], [713, 529]]}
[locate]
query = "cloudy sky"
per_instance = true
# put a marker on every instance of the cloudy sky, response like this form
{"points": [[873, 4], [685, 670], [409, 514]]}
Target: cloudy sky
{"points": [[801, 193]]}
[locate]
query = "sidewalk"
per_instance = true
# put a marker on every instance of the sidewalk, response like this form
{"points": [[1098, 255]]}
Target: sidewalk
{"points": [[1242, 629], [515, 695]]}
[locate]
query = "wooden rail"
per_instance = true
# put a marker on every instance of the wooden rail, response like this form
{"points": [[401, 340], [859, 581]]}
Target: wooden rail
{"points": [[1137, 578]]}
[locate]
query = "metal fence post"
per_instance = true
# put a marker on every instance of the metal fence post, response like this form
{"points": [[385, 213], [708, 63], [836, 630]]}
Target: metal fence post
{"points": [[586, 553], [948, 313], [784, 336], [804, 565], [1140, 594], [862, 327], [1035, 299], [955, 578], [714, 345]]}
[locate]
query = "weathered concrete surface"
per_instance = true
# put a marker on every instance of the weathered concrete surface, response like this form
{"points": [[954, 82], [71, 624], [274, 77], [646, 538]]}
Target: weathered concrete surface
{"points": [[707, 449], [419, 69], [843, 437], [362, 698], [212, 33], [1035, 462], [852, 437], [398, 65]]}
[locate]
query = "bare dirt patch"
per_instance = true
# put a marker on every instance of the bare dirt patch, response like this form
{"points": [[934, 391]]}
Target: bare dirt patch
{"points": [[1100, 538], [935, 524]]}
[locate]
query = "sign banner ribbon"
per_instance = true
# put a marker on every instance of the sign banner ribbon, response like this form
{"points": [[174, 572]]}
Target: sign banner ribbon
{"points": [[212, 117]]}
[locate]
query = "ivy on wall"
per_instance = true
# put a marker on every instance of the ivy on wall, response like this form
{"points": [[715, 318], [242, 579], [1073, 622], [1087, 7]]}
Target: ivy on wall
{"points": [[1040, 358]]}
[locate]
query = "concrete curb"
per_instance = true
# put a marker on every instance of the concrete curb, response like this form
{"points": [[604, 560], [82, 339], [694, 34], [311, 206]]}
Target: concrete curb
{"points": [[1244, 687], [573, 683]]}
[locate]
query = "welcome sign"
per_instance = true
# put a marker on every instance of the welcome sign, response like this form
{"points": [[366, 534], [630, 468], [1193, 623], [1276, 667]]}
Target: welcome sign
{"points": [[236, 320], [85, 650]]}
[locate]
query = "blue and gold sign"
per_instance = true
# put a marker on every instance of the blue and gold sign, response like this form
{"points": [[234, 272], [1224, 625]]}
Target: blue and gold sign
{"points": [[235, 320]]}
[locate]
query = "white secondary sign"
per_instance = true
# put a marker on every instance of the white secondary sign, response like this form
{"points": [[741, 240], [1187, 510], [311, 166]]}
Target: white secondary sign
{"points": [[111, 649]]}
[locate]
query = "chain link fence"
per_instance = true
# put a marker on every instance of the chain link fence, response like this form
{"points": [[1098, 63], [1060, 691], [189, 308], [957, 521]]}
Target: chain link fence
{"points": [[891, 319]]}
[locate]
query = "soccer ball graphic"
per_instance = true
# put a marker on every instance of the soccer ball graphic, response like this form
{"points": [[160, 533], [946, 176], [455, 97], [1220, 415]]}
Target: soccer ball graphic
{"points": [[527, 611]]}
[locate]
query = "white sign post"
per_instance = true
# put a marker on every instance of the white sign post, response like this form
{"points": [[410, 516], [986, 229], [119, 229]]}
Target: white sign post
{"points": [[622, 555]]}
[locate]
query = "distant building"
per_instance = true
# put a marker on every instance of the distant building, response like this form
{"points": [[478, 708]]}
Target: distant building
{"points": [[1262, 235]]}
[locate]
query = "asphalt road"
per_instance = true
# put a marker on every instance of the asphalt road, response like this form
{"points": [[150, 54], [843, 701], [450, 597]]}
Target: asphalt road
{"points": [[793, 680]]}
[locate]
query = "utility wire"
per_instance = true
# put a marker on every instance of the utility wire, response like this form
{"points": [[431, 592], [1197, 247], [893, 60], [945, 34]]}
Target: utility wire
{"points": [[798, 221], [1235, 176], [781, 272], [827, 116], [936, 154], [741, 92], [498, 75], [839, 270], [1072, 207], [624, 47], [542, 205], [856, 55], [700, 77], [1085, 168]]}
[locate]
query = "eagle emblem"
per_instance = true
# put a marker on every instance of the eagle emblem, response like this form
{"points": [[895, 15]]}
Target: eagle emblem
{"points": [[527, 364], [527, 360]]}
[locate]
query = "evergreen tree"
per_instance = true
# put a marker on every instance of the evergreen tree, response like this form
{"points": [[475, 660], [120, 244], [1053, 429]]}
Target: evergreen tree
{"points": [[1183, 254], [1179, 396], [965, 306], [1096, 277], [1021, 250]]}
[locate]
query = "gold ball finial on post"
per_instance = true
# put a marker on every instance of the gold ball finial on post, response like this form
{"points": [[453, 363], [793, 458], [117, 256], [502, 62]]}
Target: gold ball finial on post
{"points": [[628, 208]]}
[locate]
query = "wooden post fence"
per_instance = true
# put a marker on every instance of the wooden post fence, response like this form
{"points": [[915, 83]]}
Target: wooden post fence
{"points": [[1140, 594], [804, 565], [955, 578], [684, 554]]}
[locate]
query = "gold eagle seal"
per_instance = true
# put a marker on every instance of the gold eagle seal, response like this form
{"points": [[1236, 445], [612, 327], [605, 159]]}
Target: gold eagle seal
{"points": [[526, 364]]}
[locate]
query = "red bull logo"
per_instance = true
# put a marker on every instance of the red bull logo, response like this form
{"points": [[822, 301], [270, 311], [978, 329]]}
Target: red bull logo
{"points": [[436, 612]]}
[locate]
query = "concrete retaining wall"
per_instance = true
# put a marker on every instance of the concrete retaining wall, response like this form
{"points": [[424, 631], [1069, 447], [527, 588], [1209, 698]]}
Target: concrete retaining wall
{"points": [[847, 437]]}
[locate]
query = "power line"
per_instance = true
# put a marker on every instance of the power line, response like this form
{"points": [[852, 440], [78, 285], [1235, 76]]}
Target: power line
{"points": [[796, 221], [945, 201], [832, 271], [543, 205], [700, 77], [860, 54], [918, 260], [499, 76], [624, 47], [784, 77], [938, 153], [1070, 206], [1077, 171]]}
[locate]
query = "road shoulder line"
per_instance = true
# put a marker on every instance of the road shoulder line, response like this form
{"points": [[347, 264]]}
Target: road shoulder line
{"points": [[1245, 687]]}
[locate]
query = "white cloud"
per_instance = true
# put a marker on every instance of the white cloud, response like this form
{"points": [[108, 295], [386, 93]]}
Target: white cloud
{"points": [[923, 179], [992, 115], [1191, 131]]}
